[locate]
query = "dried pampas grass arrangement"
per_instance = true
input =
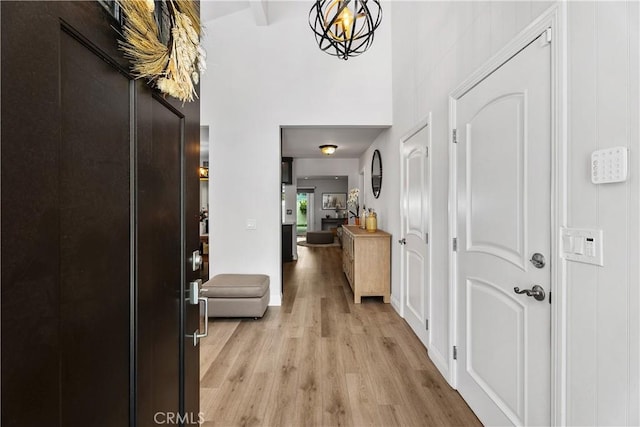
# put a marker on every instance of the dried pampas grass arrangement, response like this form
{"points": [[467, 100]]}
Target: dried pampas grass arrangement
{"points": [[174, 65]]}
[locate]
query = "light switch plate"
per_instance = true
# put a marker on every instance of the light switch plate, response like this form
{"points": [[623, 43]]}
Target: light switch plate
{"points": [[251, 224], [609, 165], [583, 245]]}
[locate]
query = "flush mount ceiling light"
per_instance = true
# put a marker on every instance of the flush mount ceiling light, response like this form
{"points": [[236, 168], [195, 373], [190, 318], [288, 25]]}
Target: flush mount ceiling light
{"points": [[345, 28], [328, 149]]}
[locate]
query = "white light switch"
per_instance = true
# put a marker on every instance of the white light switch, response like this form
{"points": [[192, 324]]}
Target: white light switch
{"points": [[567, 243], [578, 245], [582, 245], [251, 224]]}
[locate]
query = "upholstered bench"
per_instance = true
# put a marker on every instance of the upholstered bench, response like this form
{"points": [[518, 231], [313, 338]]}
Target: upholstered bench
{"points": [[237, 295], [320, 237]]}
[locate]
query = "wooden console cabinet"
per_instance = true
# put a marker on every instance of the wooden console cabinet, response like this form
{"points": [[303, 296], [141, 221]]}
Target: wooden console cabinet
{"points": [[366, 259]]}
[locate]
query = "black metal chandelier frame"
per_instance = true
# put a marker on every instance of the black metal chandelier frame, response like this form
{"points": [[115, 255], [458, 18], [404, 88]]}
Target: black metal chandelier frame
{"points": [[348, 42]]}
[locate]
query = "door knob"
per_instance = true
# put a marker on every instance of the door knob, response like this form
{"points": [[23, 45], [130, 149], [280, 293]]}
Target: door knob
{"points": [[538, 260], [537, 292], [402, 241]]}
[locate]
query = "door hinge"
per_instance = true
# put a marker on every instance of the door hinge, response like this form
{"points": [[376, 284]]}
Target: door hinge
{"points": [[454, 136], [427, 324], [426, 238], [426, 151], [548, 35], [549, 297], [455, 353], [455, 244]]}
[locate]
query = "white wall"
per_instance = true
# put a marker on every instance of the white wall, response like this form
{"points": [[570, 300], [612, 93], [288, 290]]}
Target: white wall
{"points": [[328, 167], [603, 322], [436, 45], [387, 205], [259, 78]]}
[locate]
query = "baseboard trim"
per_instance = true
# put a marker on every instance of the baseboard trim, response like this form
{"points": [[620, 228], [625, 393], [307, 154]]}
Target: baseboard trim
{"points": [[275, 300], [395, 303]]}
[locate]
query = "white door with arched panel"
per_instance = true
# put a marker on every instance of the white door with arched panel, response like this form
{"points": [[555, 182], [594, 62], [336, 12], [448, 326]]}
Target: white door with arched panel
{"points": [[503, 150], [415, 213]]}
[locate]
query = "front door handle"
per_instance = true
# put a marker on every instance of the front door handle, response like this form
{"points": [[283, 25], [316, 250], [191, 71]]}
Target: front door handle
{"points": [[196, 299], [402, 241], [537, 292]]}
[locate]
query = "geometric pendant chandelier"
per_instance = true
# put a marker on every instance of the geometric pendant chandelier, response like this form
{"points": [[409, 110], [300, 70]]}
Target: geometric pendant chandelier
{"points": [[344, 28]]}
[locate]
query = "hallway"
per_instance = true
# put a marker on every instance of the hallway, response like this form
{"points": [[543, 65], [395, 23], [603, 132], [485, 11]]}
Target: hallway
{"points": [[321, 360]]}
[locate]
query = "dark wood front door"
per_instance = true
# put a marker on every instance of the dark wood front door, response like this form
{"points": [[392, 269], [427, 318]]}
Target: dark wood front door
{"points": [[99, 213]]}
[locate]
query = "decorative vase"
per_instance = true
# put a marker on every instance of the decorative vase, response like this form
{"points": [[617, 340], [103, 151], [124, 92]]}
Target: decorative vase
{"points": [[372, 222], [362, 220], [357, 220]]}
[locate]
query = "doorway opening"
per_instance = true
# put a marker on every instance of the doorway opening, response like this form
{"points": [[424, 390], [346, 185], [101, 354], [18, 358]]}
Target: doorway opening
{"points": [[204, 202], [304, 211], [302, 203]]}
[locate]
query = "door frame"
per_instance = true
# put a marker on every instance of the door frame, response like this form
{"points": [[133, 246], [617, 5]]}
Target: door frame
{"points": [[554, 19], [311, 206]]}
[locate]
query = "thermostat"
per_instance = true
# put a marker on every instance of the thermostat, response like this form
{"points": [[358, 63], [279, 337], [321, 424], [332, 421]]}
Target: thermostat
{"points": [[609, 165]]}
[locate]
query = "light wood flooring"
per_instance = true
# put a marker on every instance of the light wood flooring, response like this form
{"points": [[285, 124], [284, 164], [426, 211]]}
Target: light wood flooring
{"points": [[321, 360]]}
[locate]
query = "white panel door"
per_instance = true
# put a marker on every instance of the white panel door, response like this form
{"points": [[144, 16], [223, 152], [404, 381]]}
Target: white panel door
{"points": [[503, 219], [415, 220]]}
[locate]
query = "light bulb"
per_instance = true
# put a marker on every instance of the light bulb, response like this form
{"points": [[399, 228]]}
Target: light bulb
{"points": [[346, 20]]}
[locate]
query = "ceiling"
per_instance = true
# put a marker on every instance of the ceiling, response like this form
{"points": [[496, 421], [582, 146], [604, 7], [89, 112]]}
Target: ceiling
{"points": [[303, 141], [213, 9]]}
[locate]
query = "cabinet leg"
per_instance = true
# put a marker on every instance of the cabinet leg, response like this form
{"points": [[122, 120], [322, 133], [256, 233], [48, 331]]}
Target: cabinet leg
{"points": [[386, 299], [357, 299]]}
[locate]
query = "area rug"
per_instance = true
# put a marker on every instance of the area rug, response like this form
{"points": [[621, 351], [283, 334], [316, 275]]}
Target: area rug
{"points": [[316, 245]]}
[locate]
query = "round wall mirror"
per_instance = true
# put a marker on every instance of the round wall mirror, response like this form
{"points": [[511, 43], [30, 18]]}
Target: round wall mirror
{"points": [[376, 173]]}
